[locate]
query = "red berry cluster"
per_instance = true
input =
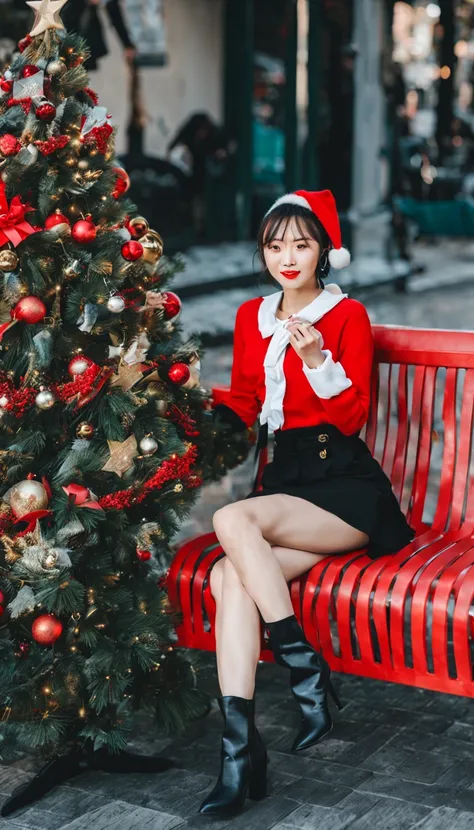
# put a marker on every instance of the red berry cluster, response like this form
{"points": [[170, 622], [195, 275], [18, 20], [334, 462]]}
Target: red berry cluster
{"points": [[171, 469], [56, 142], [81, 385]]}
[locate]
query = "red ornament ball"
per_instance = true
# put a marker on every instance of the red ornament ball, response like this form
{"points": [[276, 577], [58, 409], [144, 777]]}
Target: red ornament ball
{"points": [[55, 220], [132, 250], [179, 373], [29, 310], [29, 70], [9, 145], [46, 629], [143, 555], [172, 304], [84, 231], [46, 111], [122, 182], [2, 597], [24, 43], [6, 86], [79, 364]]}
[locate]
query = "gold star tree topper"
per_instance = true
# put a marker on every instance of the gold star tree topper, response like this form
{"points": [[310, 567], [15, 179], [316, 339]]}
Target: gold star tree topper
{"points": [[46, 15]]}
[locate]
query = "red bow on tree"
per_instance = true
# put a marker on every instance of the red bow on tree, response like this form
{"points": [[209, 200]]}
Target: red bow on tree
{"points": [[13, 227]]}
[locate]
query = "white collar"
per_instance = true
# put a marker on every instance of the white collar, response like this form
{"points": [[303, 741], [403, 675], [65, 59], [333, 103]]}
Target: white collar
{"points": [[270, 326], [268, 322]]}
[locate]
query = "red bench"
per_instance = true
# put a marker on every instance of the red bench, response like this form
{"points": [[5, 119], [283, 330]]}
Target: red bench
{"points": [[407, 618]]}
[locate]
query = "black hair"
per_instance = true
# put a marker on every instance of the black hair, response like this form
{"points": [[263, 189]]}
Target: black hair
{"points": [[308, 225]]}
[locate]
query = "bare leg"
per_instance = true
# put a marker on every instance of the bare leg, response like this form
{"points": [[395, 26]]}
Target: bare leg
{"points": [[237, 624], [247, 530]]}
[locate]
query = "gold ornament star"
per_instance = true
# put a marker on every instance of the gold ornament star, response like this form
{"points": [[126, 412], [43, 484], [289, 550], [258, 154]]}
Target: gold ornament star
{"points": [[46, 15], [127, 376], [122, 454]]}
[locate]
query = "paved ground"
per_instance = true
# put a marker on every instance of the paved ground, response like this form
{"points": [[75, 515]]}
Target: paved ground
{"points": [[398, 758]]}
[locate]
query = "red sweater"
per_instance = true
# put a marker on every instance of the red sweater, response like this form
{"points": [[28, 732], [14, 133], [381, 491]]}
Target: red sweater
{"points": [[347, 334]]}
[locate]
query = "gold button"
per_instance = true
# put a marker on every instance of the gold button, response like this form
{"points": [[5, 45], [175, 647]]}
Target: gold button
{"points": [[323, 438], [323, 453]]}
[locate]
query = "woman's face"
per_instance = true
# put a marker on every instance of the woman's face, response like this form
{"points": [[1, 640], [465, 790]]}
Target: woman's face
{"points": [[292, 259]]}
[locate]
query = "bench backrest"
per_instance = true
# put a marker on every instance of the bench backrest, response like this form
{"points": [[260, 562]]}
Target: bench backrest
{"points": [[420, 426]]}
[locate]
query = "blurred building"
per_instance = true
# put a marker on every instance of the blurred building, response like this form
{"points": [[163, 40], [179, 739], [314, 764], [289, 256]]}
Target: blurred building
{"points": [[296, 86], [296, 89]]}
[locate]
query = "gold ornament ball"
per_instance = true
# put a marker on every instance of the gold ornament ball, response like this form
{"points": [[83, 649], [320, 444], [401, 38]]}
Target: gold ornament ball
{"points": [[152, 247], [153, 391], [138, 227], [83, 164], [27, 496], [8, 260], [56, 68], [85, 430], [178, 488]]}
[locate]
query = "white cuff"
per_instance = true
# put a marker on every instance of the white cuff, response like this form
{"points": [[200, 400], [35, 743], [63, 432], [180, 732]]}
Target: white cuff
{"points": [[329, 379]]}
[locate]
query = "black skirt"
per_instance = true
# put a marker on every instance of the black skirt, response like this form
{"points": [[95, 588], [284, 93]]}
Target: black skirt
{"points": [[338, 473]]}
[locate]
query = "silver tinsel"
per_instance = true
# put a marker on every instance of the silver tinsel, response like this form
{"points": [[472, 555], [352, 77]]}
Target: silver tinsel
{"points": [[37, 559], [73, 528], [23, 603], [43, 343], [89, 316], [11, 287]]}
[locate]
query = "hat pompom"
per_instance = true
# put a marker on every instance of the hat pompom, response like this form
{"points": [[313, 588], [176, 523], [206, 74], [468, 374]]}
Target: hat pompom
{"points": [[339, 258]]}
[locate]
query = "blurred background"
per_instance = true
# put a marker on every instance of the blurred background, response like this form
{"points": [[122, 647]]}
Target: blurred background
{"points": [[223, 105]]}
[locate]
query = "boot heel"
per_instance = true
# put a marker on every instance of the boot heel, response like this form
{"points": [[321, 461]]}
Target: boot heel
{"points": [[334, 695], [258, 784]]}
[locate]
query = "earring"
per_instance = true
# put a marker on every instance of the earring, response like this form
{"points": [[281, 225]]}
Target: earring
{"points": [[323, 262]]}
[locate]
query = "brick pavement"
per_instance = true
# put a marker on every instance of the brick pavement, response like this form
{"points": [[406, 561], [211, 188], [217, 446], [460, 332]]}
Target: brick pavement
{"points": [[398, 758]]}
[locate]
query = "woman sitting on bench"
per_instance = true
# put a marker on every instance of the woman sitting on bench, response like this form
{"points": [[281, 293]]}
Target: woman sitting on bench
{"points": [[323, 494]]}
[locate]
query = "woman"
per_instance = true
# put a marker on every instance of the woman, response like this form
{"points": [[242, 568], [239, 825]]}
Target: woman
{"points": [[323, 494]]}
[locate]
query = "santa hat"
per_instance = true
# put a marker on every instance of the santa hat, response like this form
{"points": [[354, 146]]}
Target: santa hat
{"points": [[323, 205]]}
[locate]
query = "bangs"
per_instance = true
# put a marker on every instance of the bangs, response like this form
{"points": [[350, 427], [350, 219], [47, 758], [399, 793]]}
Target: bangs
{"points": [[277, 224]]}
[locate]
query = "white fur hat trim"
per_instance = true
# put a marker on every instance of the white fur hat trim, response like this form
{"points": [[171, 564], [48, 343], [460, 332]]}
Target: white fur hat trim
{"points": [[290, 199], [339, 257]]}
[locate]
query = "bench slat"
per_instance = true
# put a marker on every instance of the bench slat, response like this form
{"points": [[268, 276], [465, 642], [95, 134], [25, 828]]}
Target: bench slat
{"points": [[406, 618]]}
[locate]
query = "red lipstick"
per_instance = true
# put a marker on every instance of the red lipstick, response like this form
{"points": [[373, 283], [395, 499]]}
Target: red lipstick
{"points": [[290, 275]]}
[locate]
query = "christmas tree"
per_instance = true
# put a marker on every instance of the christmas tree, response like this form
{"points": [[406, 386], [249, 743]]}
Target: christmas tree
{"points": [[106, 435]]}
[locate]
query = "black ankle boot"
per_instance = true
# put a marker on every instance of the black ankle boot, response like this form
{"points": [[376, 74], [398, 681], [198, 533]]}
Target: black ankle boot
{"points": [[243, 760], [309, 678]]}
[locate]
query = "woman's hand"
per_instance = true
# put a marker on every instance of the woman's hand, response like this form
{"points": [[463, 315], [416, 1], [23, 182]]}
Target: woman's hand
{"points": [[306, 341]]}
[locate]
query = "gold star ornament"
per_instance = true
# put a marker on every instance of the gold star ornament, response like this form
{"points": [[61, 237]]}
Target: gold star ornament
{"points": [[122, 454], [46, 15]]}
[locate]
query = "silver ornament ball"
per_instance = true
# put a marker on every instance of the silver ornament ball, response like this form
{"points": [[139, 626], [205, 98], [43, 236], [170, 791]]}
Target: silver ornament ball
{"points": [[148, 445], [3, 402], [83, 164], [45, 399], [56, 68], [116, 304]]}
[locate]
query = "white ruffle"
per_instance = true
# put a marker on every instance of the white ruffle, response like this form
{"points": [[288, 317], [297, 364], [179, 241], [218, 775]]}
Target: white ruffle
{"points": [[329, 379], [270, 326]]}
